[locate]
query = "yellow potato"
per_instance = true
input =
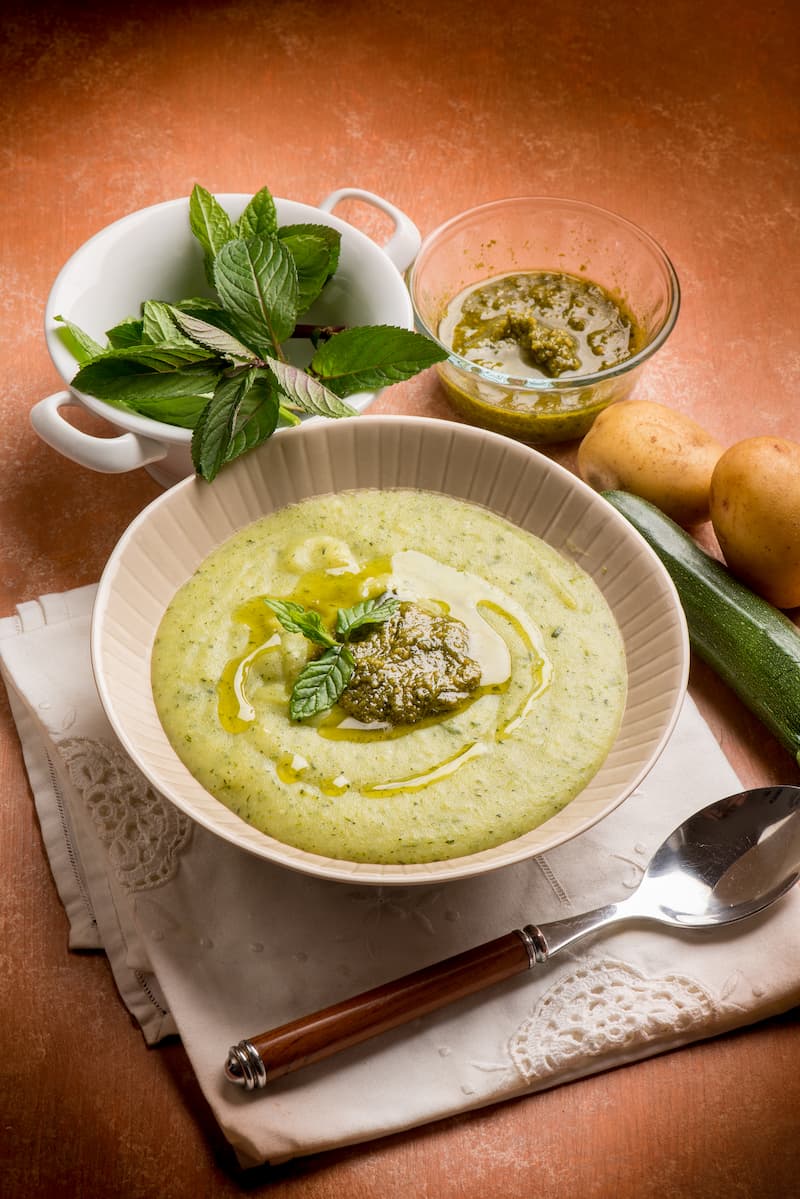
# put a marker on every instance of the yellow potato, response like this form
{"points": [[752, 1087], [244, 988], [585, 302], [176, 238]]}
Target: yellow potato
{"points": [[755, 510], [654, 452]]}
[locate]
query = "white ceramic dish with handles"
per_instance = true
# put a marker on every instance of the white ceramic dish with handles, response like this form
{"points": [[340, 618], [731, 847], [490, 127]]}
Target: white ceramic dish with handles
{"points": [[152, 254], [169, 539]]}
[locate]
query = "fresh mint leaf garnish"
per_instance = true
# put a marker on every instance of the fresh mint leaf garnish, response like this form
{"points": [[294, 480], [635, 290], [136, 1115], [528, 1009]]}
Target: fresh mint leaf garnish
{"points": [[308, 394], [210, 311], [212, 337], [158, 325], [182, 410], [210, 224], [165, 356], [124, 380], [257, 282], [371, 611], [372, 356], [321, 682], [257, 415], [259, 218], [217, 364], [127, 333], [82, 347], [297, 619], [214, 431], [315, 250]]}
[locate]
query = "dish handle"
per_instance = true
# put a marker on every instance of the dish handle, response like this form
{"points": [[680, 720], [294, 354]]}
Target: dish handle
{"points": [[402, 246], [108, 455]]}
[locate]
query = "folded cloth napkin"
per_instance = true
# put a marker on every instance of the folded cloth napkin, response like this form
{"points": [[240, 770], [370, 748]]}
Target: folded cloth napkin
{"points": [[213, 943]]}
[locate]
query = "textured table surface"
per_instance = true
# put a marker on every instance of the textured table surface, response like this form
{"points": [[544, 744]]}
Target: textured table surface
{"points": [[684, 119]]}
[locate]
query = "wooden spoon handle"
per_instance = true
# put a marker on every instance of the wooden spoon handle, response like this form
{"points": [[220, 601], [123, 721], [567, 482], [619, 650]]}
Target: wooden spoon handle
{"points": [[269, 1055]]}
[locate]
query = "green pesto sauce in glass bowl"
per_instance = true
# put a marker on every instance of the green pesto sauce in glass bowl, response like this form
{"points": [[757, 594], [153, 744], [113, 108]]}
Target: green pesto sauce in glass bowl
{"points": [[511, 754], [540, 324], [537, 325]]}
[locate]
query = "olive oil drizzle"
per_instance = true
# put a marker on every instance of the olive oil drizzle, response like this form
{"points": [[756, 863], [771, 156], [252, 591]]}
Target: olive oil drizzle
{"points": [[235, 711], [540, 666], [291, 769], [416, 782]]}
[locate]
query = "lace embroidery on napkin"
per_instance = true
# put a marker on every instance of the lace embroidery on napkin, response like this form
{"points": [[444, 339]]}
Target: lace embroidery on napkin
{"points": [[69, 840], [605, 1007], [142, 832]]}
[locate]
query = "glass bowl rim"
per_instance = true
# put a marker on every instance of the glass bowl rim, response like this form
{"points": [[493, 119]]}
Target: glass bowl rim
{"points": [[573, 382]]}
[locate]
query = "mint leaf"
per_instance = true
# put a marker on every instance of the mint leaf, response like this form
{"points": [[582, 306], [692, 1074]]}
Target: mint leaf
{"points": [[315, 250], [158, 325], [372, 356], [321, 682], [198, 306], [297, 619], [129, 332], [215, 429], [124, 380], [183, 410], [257, 415], [210, 311], [242, 413], [216, 365], [165, 356], [257, 284], [371, 611], [211, 336], [259, 218], [307, 394], [296, 236], [210, 224], [82, 347]]}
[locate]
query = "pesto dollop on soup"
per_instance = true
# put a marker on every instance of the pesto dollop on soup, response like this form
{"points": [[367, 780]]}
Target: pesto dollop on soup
{"points": [[543, 324], [514, 694]]}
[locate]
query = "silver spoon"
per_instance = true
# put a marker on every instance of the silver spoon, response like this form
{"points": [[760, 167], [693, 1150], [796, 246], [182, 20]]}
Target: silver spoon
{"points": [[728, 861]]}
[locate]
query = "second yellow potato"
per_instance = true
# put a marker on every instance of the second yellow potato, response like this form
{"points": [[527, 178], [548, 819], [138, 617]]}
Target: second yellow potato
{"points": [[653, 452]]}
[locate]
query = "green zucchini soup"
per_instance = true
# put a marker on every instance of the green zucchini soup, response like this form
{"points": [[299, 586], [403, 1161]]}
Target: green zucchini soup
{"points": [[389, 677]]}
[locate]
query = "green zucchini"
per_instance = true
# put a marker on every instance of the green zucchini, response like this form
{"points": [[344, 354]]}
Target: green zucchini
{"points": [[752, 646]]}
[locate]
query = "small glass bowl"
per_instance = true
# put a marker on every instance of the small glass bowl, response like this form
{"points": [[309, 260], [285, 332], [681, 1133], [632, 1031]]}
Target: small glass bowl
{"points": [[541, 233]]}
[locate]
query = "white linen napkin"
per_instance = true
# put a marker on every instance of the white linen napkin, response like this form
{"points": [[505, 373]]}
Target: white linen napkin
{"points": [[209, 941]]}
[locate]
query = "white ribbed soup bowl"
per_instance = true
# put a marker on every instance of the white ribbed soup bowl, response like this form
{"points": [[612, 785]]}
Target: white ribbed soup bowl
{"points": [[170, 538]]}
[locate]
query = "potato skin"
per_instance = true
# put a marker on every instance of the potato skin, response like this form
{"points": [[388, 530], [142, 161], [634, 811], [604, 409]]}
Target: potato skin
{"points": [[654, 452], [755, 511]]}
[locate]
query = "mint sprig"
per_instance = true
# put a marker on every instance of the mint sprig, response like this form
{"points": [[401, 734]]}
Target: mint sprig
{"points": [[297, 619], [256, 279], [371, 611], [321, 682], [210, 224], [218, 365], [371, 356]]}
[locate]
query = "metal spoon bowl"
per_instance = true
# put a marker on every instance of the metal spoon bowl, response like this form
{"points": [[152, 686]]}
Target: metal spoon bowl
{"points": [[725, 863]]}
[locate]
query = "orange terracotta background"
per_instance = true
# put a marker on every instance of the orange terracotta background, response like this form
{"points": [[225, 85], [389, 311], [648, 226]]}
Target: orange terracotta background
{"points": [[683, 118]]}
